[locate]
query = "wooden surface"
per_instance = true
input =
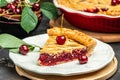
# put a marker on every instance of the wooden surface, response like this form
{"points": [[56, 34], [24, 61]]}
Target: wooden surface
{"points": [[105, 37], [102, 74]]}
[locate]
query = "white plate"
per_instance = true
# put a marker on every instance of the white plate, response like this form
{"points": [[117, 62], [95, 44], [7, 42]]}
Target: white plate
{"points": [[101, 56]]}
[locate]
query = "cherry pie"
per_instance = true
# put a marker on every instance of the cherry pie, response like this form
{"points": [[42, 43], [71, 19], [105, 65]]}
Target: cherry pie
{"points": [[77, 43], [108, 7]]}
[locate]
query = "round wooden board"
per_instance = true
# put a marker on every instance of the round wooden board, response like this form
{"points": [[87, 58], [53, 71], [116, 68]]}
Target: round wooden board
{"points": [[102, 74], [105, 37]]}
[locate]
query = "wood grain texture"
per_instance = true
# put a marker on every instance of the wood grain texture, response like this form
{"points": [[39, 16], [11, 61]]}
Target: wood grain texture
{"points": [[102, 74], [105, 37]]}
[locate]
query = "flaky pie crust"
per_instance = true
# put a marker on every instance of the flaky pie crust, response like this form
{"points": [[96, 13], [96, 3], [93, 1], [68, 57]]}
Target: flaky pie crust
{"points": [[78, 36], [52, 48]]}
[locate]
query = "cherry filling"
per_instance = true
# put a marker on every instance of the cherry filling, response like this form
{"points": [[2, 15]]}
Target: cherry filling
{"points": [[49, 60]]}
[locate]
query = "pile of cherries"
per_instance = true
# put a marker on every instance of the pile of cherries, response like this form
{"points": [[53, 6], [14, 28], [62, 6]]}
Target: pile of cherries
{"points": [[16, 7]]}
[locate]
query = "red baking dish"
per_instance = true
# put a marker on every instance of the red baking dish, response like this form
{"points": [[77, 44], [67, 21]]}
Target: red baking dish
{"points": [[90, 21]]}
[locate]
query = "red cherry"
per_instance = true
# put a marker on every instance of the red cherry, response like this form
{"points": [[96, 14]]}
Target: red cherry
{"points": [[113, 2], [2, 10], [11, 6], [36, 6], [8, 6], [82, 59], [60, 40], [24, 49], [17, 10]]}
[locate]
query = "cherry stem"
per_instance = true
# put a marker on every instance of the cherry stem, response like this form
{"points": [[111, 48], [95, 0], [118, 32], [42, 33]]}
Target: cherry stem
{"points": [[61, 23], [33, 45], [5, 13], [37, 1]]}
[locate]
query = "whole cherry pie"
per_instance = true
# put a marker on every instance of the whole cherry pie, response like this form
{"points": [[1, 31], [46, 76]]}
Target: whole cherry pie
{"points": [[108, 7], [76, 44]]}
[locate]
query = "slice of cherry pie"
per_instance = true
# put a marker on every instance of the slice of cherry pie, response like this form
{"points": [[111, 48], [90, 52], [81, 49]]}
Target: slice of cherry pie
{"points": [[77, 43]]}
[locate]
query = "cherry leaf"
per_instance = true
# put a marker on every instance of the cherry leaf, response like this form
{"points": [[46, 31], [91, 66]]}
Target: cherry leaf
{"points": [[49, 10], [3, 3], [29, 19]]}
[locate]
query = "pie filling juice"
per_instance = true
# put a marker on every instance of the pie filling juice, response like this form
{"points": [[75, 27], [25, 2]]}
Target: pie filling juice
{"points": [[48, 60]]}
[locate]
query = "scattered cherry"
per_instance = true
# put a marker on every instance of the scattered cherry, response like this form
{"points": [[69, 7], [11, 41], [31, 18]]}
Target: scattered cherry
{"points": [[60, 40], [24, 49], [82, 59], [36, 6]]}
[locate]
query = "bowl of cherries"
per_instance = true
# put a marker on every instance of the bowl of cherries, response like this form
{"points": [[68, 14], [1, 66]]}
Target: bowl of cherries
{"points": [[22, 17], [19, 17]]}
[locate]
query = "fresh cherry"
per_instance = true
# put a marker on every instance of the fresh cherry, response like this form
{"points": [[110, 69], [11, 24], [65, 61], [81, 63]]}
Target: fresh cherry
{"points": [[113, 2], [24, 49], [82, 59], [8, 6], [60, 40], [17, 10], [36, 6], [11, 6]]}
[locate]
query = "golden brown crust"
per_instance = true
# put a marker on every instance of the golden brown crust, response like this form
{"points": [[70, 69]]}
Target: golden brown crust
{"points": [[82, 5], [74, 35], [53, 48]]}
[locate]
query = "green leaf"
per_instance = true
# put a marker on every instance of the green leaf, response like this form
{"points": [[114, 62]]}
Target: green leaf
{"points": [[49, 10], [31, 47], [32, 1], [3, 3], [9, 41], [16, 50], [29, 19]]}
